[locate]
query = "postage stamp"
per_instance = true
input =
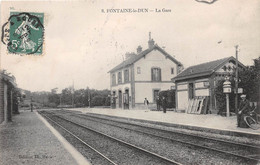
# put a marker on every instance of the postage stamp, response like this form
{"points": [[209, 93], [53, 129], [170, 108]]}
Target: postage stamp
{"points": [[24, 33]]}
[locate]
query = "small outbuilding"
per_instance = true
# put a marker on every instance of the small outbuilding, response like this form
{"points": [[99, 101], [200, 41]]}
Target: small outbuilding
{"points": [[198, 83]]}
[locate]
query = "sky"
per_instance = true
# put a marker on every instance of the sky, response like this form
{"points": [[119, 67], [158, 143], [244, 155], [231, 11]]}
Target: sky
{"points": [[82, 43]]}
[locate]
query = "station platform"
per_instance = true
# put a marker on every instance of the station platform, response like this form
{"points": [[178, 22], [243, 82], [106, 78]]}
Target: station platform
{"points": [[30, 140], [207, 122]]}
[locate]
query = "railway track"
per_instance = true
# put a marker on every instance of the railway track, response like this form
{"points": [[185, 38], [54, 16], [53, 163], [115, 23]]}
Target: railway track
{"points": [[153, 158], [244, 151]]}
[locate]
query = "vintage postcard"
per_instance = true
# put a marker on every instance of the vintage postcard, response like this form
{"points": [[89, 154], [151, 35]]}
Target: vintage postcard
{"points": [[191, 64]]}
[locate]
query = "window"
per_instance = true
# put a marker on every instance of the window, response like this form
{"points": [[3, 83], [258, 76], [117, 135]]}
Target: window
{"points": [[173, 87], [119, 76], [156, 74], [191, 90], [138, 70], [172, 70], [113, 79], [126, 75]]}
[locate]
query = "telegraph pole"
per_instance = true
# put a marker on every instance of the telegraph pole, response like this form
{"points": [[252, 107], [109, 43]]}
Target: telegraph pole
{"points": [[89, 97], [60, 99], [72, 95], [236, 84]]}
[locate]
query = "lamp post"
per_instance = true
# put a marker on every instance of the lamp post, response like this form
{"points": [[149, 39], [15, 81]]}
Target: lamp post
{"points": [[227, 90]]}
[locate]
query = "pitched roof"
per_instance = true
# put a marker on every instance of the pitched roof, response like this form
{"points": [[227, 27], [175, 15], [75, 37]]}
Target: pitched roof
{"points": [[8, 78], [204, 69], [135, 58]]}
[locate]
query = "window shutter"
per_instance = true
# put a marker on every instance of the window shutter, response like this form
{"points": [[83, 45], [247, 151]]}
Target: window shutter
{"points": [[160, 76], [152, 74]]}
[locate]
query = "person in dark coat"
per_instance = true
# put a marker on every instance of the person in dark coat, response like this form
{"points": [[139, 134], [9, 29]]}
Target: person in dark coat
{"points": [[31, 107], [158, 103], [243, 110], [164, 103]]}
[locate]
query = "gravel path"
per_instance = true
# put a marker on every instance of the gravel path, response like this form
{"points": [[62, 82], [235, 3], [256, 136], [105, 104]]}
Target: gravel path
{"points": [[28, 141]]}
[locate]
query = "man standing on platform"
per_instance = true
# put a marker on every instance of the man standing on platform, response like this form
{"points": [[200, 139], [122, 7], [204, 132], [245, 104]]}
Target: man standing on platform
{"points": [[158, 103], [164, 103], [31, 107]]}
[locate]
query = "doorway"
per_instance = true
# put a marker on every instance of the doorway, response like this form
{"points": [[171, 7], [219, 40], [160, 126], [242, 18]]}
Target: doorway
{"points": [[120, 99], [126, 99], [113, 100], [155, 94]]}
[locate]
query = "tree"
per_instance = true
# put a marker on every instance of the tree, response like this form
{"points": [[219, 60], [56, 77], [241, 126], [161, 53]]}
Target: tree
{"points": [[221, 97], [249, 80]]}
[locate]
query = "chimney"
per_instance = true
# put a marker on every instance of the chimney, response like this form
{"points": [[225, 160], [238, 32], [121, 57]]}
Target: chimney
{"points": [[150, 42], [129, 55], [139, 49]]}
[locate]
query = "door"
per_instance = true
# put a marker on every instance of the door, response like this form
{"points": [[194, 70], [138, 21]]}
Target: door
{"points": [[120, 99], [113, 100], [126, 99], [155, 94]]}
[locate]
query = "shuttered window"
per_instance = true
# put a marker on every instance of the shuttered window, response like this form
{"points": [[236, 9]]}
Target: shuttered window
{"points": [[113, 79], [119, 78], [172, 70], [126, 75], [156, 74]]}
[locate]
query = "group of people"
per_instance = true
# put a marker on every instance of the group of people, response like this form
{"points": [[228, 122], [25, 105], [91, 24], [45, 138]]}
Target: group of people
{"points": [[244, 108], [159, 102]]}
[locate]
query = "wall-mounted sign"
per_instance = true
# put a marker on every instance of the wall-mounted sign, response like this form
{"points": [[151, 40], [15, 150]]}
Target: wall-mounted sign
{"points": [[206, 84], [239, 90]]}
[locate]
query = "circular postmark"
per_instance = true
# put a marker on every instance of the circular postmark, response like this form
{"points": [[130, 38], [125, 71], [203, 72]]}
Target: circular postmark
{"points": [[23, 33]]}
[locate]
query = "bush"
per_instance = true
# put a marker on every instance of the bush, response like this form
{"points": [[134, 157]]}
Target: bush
{"points": [[170, 98], [221, 97], [98, 101]]}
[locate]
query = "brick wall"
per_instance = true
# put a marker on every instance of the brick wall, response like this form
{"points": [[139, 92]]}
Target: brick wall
{"points": [[1, 100]]}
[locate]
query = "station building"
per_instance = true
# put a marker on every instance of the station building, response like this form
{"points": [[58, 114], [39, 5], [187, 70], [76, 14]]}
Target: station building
{"points": [[8, 102], [200, 81], [142, 75]]}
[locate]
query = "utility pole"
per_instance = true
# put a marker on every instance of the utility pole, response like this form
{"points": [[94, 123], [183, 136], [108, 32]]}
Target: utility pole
{"points": [[60, 100], [236, 81], [88, 97], [72, 98]]}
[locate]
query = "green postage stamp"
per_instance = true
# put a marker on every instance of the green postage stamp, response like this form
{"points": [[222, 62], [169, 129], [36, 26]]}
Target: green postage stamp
{"points": [[24, 33]]}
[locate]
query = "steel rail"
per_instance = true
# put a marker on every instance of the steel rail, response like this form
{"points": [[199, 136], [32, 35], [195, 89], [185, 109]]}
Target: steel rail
{"points": [[185, 142], [110, 161], [208, 138], [123, 142]]}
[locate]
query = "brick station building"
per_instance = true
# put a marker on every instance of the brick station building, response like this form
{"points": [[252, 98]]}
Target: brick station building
{"points": [[8, 98]]}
